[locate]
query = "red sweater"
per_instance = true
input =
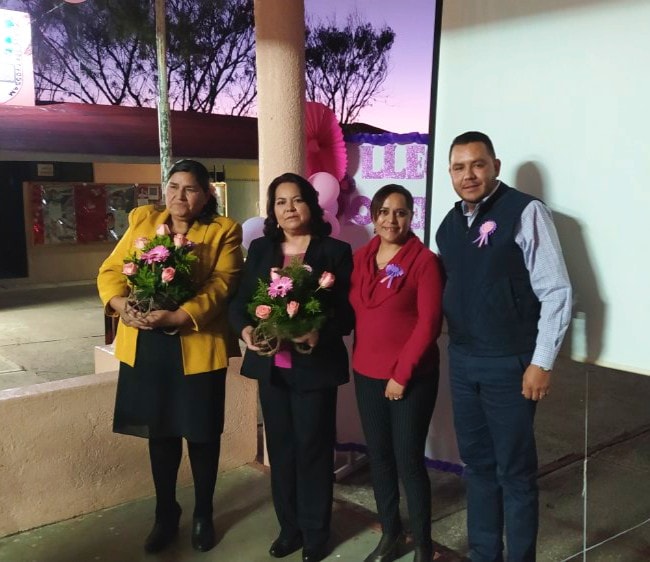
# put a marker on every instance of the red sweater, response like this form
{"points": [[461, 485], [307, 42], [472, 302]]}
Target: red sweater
{"points": [[396, 326]]}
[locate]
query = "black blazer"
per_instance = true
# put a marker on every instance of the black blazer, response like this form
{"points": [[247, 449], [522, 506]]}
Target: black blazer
{"points": [[327, 365]]}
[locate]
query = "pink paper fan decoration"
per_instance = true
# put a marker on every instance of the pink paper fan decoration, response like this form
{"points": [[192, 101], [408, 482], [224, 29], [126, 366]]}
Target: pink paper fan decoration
{"points": [[325, 145]]}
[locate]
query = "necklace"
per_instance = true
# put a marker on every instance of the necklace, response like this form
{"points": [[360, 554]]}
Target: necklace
{"points": [[387, 255]]}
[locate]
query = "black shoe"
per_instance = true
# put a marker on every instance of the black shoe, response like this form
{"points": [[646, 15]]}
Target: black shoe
{"points": [[387, 549], [164, 531], [315, 553], [282, 547], [203, 536], [423, 553]]}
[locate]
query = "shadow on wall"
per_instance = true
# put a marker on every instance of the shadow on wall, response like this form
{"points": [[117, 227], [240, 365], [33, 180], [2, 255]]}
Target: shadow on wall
{"points": [[587, 302]]}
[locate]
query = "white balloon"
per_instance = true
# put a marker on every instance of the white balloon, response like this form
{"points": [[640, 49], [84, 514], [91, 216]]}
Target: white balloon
{"points": [[252, 228]]}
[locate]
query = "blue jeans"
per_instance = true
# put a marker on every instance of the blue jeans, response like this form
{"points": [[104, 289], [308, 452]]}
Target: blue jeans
{"points": [[494, 428]]}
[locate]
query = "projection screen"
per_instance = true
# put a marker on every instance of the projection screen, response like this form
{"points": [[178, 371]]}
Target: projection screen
{"points": [[563, 89]]}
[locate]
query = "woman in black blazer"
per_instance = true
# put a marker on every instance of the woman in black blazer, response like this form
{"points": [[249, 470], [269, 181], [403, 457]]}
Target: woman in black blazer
{"points": [[298, 391]]}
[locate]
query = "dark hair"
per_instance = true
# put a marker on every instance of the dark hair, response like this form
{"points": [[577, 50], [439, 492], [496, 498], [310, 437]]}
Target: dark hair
{"points": [[317, 226], [202, 177], [383, 192], [473, 136]]}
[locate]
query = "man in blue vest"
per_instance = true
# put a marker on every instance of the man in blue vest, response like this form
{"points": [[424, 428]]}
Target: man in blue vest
{"points": [[507, 301]]}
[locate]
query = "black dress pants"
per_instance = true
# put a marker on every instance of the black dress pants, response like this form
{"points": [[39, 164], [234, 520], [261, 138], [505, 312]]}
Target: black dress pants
{"points": [[300, 431], [395, 432]]}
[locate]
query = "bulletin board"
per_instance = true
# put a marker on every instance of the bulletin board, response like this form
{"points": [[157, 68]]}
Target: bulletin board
{"points": [[74, 213]]}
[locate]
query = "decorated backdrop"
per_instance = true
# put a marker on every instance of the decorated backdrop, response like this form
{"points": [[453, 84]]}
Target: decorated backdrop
{"points": [[375, 160]]}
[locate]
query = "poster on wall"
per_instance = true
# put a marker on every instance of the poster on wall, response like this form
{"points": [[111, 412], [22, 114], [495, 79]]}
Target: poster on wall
{"points": [[36, 203], [148, 194], [59, 217], [119, 203], [81, 213], [90, 212]]}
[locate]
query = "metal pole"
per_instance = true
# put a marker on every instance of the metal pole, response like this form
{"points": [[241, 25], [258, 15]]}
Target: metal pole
{"points": [[164, 124]]}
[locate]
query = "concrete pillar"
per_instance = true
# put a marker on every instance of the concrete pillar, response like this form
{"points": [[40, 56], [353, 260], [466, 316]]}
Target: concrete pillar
{"points": [[280, 54]]}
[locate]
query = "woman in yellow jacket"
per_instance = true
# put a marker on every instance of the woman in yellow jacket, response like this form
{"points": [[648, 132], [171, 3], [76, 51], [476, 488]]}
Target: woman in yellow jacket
{"points": [[173, 386]]}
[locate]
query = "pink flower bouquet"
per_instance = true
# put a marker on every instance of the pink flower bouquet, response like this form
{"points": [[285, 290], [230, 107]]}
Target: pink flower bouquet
{"points": [[288, 306], [159, 271]]}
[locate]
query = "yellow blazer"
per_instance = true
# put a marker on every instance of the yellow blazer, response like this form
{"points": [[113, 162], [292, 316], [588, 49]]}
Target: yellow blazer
{"points": [[207, 343]]}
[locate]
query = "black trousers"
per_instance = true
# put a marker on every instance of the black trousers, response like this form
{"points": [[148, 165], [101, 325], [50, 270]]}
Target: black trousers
{"points": [[395, 432], [300, 431]]}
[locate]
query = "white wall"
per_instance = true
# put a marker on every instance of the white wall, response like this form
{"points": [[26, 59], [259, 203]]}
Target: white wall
{"points": [[562, 87]]}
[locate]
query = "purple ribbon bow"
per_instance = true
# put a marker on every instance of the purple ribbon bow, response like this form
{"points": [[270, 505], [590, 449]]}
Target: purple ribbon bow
{"points": [[392, 272]]}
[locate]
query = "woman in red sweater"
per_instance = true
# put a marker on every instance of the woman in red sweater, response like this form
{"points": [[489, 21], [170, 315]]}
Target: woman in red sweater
{"points": [[396, 294]]}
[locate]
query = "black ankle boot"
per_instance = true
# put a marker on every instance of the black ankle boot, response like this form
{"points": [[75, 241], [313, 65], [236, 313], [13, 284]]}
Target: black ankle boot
{"points": [[283, 546], [203, 535], [164, 531], [387, 549], [423, 553]]}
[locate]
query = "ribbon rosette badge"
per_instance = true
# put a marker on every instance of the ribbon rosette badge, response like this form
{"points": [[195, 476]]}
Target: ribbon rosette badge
{"points": [[392, 272], [484, 232]]}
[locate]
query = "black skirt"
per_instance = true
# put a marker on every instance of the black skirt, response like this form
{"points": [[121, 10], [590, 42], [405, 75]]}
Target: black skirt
{"points": [[156, 399]]}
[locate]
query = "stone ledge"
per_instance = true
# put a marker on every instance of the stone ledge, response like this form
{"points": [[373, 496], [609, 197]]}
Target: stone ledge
{"points": [[61, 459]]}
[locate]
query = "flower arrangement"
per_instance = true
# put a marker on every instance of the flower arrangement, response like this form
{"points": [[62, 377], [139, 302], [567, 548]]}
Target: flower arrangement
{"points": [[159, 271], [288, 307]]}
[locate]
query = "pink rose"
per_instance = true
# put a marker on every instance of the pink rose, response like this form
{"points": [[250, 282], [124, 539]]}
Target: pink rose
{"points": [[292, 308], [274, 273], [141, 242], [167, 274], [129, 268], [263, 311], [162, 230], [180, 240], [307, 267], [326, 280]]}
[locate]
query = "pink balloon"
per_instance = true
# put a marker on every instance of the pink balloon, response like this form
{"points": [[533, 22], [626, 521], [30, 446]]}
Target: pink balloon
{"points": [[336, 226], [252, 228], [327, 186], [333, 208]]}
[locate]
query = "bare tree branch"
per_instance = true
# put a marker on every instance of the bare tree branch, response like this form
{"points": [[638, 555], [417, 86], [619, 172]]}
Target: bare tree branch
{"points": [[347, 67]]}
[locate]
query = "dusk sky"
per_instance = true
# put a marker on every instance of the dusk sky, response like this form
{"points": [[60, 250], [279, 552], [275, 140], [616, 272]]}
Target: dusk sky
{"points": [[403, 104], [403, 107]]}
